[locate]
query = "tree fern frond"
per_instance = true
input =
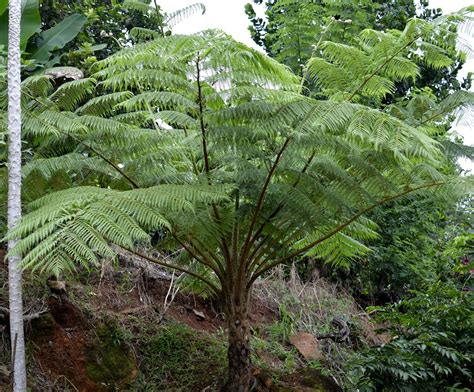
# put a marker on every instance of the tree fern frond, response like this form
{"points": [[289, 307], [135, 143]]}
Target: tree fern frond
{"points": [[345, 56], [327, 75], [140, 34], [175, 17], [99, 216], [70, 94], [104, 105], [162, 99], [73, 162], [38, 85], [137, 5]]}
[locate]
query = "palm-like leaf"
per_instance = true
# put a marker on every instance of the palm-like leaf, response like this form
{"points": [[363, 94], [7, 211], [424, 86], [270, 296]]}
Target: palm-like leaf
{"points": [[206, 111]]}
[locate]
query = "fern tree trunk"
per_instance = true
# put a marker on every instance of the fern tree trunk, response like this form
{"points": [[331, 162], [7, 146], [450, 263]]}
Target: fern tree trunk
{"points": [[239, 343], [14, 195]]}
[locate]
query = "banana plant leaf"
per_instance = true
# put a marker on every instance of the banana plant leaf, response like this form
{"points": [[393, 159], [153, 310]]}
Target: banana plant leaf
{"points": [[57, 37], [30, 21]]}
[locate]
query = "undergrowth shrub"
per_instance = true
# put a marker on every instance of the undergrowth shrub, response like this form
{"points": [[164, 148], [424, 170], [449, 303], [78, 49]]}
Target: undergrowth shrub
{"points": [[312, 306], [432, 348], [174, 357]]}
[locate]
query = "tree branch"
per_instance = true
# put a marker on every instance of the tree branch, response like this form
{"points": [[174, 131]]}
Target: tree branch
{"points": [[202, 260], [262, 269], [278, 209], [26, 317], [258, 208], [205, 151], [176, 267]]}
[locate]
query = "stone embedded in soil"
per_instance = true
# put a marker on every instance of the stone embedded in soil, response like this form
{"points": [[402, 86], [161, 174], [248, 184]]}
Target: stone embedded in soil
{"points": [[307, 345], [199, 315]]}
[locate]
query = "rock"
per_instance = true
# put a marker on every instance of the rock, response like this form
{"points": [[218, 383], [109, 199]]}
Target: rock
{"points": [[109, 361], [68, 73], [307, 346], [199, 315]]}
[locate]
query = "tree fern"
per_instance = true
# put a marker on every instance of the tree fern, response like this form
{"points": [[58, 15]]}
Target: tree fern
{"points": [[213, 143]]}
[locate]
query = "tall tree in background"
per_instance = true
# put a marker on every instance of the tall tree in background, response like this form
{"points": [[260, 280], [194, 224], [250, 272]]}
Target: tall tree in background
{"points": [[109, 24], [291, 29], [14, 195]]}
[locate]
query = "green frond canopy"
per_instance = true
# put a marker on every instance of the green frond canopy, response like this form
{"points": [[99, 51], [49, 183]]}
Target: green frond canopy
{"points": [[213, 143], [77, 225], [368, 71]]}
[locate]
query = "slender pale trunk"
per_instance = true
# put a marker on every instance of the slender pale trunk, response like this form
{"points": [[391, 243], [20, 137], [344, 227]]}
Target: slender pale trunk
{"points": [[14, 195], [239, 344]]}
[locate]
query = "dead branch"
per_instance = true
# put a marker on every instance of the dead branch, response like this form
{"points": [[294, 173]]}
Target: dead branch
{"points": [[26, 317]]}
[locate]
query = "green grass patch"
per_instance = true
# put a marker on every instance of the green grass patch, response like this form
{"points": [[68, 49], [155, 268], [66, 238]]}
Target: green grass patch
{"points": [[174, 357]]}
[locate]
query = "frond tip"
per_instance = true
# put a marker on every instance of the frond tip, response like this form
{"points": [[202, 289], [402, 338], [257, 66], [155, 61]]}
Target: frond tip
{"points": [[78, 225]]}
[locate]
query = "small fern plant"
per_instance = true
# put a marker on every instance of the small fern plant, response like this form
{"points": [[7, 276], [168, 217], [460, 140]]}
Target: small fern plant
{"points": [[214, 145]]}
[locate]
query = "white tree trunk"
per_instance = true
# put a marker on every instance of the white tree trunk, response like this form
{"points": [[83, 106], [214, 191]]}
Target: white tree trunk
{"points": [[14, 195]]}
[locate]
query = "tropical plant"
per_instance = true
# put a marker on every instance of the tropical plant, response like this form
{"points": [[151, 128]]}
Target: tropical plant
{"points": [[214, 145], [14, 197], [30, 21], [432, 345], [109, 25], [406, 255], [291, 29], [40, 48]]}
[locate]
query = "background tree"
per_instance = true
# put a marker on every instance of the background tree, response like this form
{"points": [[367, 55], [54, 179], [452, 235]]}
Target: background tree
{"points": [[77, 33], [288, 25], [109, 24], [14, 196], [290, 29], [39, 47], [433, 345]]}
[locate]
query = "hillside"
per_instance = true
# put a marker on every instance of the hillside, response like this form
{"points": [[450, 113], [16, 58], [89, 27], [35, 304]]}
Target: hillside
{"points": [[122, 329]]}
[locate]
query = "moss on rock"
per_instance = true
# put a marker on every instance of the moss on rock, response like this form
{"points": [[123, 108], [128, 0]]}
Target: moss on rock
{"points": [[110, 362]]}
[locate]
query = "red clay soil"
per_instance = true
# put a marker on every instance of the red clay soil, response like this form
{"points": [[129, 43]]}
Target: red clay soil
{"points": [[109, 300], [61, 340], [60, 345]]}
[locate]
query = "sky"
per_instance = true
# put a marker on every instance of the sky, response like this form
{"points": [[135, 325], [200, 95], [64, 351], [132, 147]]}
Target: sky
{"points": [[229, 16]]}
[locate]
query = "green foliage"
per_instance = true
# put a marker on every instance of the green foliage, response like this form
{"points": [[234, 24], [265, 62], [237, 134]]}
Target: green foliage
{"points": [[56, 38], [380, 61], [110, 25], [123, 218], [310, 126], [109, 362], [432, 345], [407, 253], [176, 358], [41, 45], [30, 21], [78, 33], [206, 111], [292, 31]]}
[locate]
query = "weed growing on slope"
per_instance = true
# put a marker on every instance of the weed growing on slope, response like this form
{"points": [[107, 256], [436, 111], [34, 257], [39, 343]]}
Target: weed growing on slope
{"points": [[174, 357]]}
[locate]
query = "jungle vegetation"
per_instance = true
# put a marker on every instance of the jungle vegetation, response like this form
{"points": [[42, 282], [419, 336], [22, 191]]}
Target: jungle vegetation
{"points": [[239, 162]]}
